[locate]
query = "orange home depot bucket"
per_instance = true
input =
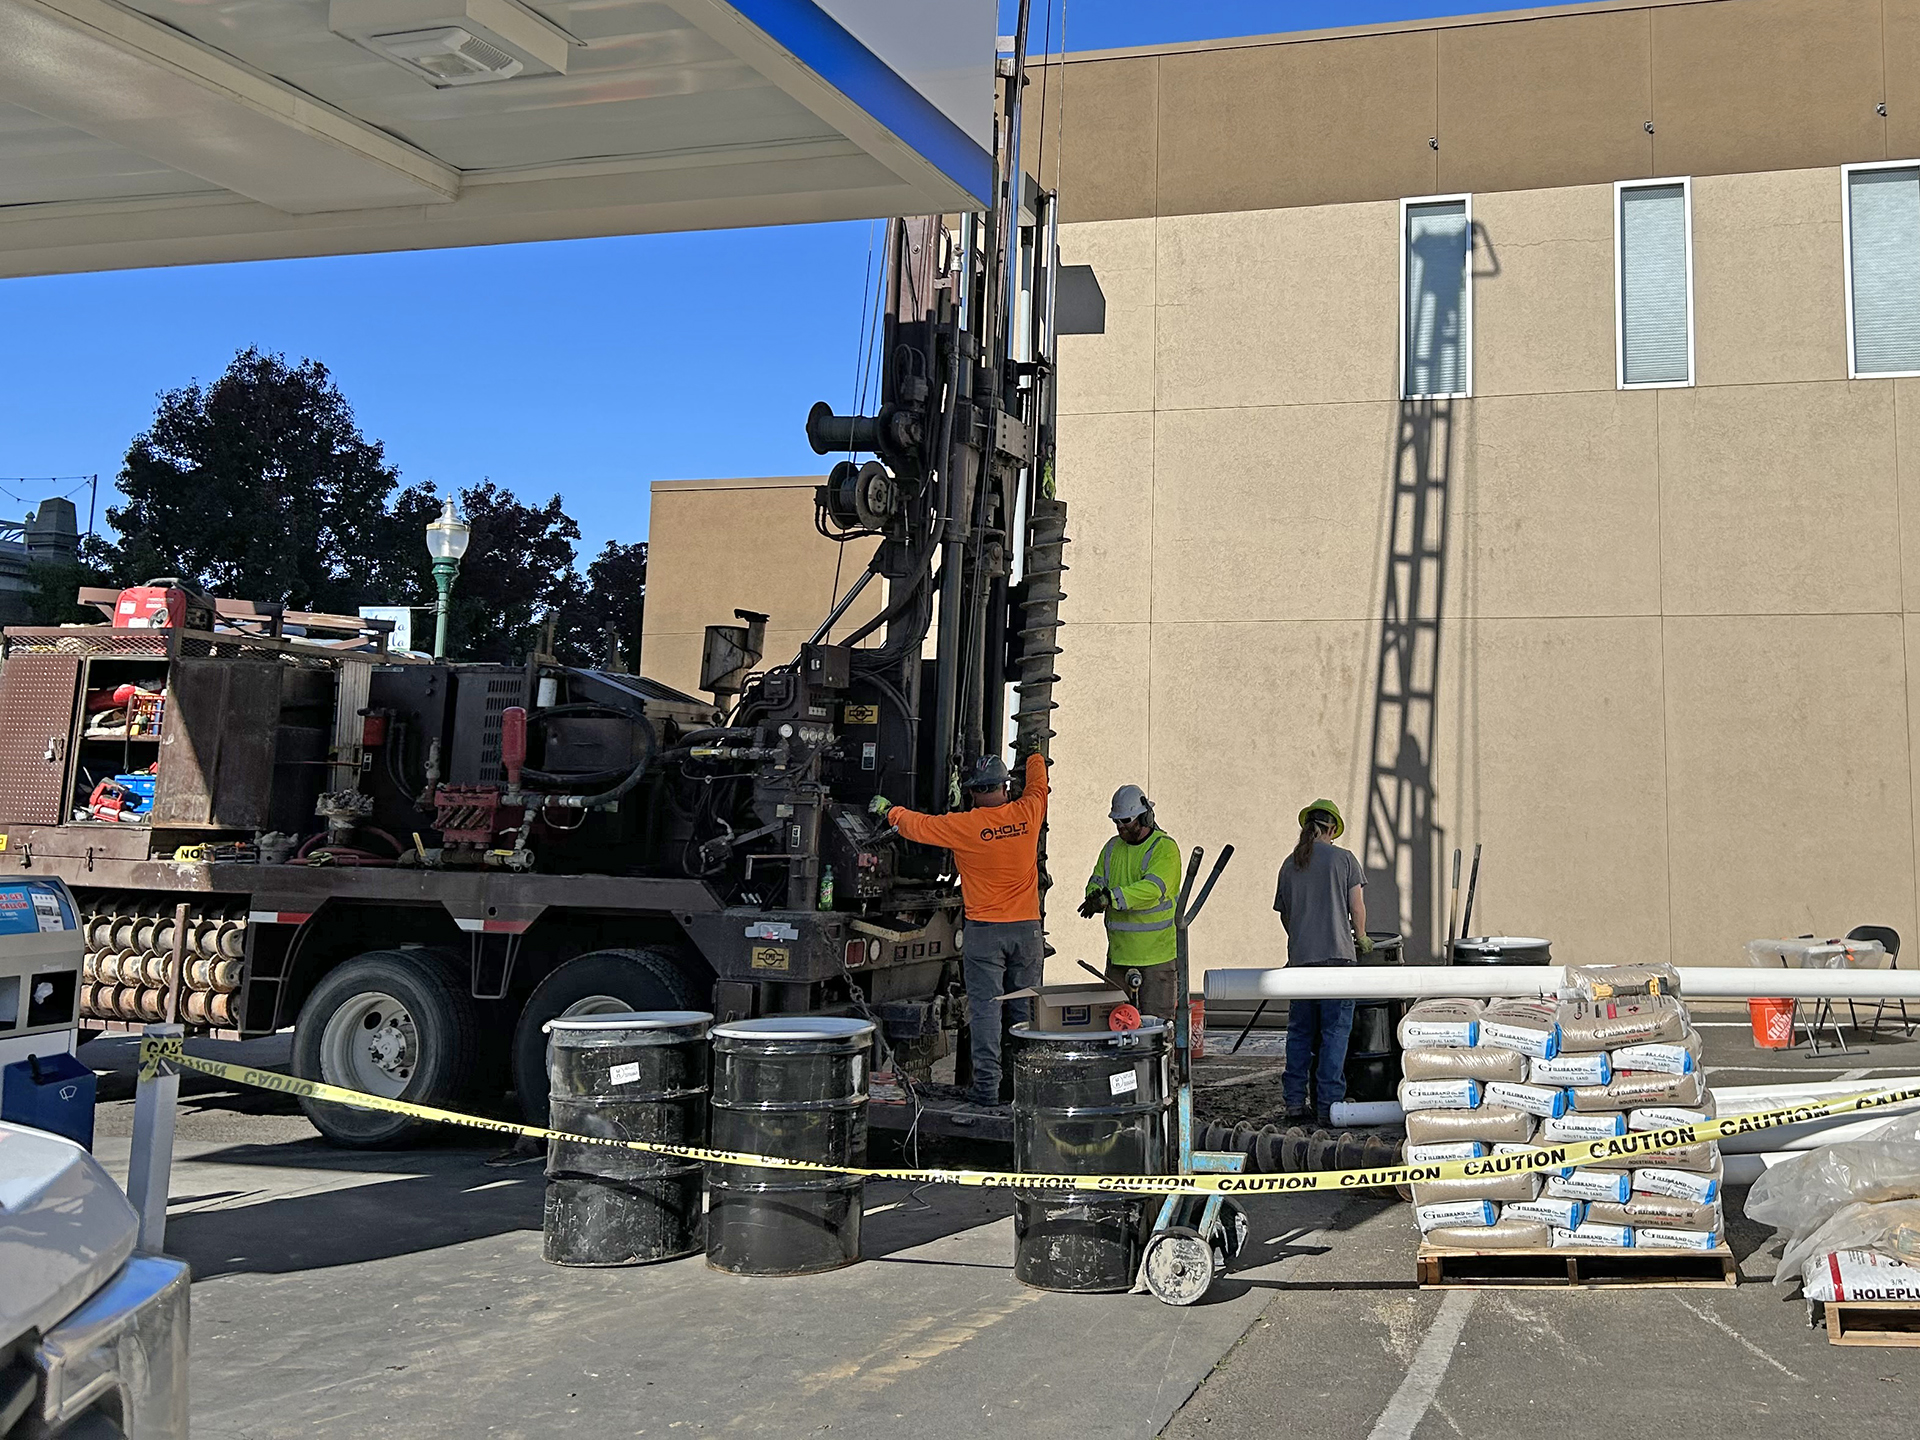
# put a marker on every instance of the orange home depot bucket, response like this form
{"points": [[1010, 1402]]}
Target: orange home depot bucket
{"points": [[1197, 1027], [1772, 1023]]}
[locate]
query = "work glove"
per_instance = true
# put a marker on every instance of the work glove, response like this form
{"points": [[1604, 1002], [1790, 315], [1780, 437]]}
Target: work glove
{"points": [[1363, 944], [879, 805], [1093, 904]]}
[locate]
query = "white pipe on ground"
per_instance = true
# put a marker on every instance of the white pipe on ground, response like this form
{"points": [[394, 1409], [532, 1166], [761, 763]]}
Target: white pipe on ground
{"points": [[1812, 1134], [1419, 982], [1366, 1112], [1745, 1169]]}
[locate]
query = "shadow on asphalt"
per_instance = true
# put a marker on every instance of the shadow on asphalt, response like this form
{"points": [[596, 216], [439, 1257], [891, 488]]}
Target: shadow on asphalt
{"points": [[454, 1202]]}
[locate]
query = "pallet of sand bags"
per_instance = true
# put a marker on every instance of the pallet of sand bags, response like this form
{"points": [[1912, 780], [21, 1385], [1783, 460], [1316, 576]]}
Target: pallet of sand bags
{"points": [[1565, 1264]]}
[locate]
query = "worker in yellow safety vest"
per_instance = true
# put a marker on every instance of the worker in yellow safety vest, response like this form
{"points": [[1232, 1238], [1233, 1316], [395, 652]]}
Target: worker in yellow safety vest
{"points": [[1137, 884]]}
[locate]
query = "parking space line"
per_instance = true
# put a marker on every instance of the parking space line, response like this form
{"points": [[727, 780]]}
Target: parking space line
{"points": [[1722, 1326], [1410, 1402]]}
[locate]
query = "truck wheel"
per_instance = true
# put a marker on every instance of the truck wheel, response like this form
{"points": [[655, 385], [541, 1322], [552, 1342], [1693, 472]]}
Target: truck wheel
{"points": [[602, 982], [394, 1023]]}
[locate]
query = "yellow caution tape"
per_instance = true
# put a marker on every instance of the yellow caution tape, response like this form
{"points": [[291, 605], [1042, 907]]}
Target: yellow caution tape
{"points": [[158, 1056]]}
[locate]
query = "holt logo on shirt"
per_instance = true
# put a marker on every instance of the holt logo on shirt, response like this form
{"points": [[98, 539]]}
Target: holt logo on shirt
{"points": [[1004, 832]]}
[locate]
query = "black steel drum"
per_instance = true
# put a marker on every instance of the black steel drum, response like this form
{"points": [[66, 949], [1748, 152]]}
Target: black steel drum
{"points": [[1373, 1049], [794, 1086], [1502, 950], [635, 1076], [1087, 1103]]}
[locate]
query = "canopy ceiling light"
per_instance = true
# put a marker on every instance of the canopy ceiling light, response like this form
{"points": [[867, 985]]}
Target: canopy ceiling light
{"points": [[455, 42]]}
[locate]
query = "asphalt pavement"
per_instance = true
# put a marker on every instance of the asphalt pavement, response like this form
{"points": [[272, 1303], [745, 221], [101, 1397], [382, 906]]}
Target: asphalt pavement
{"points": [[404, 1293]]}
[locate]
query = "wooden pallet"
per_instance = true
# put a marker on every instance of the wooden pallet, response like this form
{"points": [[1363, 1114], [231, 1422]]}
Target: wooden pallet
{"points": [[1872, 1322], [1437, 1268]]}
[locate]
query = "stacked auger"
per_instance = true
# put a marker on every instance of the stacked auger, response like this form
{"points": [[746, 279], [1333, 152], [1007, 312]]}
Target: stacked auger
{"points": [[127, 973]]}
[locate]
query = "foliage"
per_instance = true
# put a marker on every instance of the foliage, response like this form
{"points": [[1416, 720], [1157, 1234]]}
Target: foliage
{"points": [[261, 486]]}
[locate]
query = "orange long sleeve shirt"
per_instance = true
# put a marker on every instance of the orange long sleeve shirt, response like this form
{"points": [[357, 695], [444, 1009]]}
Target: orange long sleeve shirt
{"points": [[997, 849]]}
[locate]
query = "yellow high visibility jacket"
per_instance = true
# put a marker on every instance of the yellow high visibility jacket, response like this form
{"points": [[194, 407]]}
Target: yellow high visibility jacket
{"points": [[1142, 885]]}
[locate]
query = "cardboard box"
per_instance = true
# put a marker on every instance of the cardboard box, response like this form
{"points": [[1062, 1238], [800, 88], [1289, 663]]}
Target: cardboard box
{"points": [[1084, 1006]]}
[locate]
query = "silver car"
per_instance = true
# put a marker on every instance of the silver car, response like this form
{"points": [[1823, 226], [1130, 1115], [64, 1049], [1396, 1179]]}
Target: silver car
{"points": [[93, 1338]]}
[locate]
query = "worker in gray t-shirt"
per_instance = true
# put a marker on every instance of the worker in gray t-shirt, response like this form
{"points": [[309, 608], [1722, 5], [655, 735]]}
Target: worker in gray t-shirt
{"points": [[1321, 899]]}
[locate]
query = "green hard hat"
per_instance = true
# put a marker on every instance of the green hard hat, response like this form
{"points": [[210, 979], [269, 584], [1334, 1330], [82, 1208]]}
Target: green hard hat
{"points": [[1339, 825]]}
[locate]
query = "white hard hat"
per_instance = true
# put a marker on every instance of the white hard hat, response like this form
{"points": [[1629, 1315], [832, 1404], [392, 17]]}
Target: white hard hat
{"points": [[1129, 802]]}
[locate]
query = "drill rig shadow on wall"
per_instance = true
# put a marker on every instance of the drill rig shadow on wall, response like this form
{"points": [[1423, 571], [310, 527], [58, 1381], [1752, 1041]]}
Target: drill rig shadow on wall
{"points": [[271, 820]]}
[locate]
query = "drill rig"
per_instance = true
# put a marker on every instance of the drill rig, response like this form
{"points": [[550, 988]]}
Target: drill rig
{"points": [[418, 864]]}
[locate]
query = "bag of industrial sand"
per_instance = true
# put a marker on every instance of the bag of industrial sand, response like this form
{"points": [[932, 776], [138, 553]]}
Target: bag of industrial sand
{"points": [[1589, 1025], [1531, 1027], [1503, 1234], [1441, 1023], [1592, 1235], [1456, 1062], [1499, 1188], [1677, 1057], [1702, 1159], [1639, 1089], [1491, 1124], [1659, 1212], [1438, 1095], [1590, 1182], [1567, 1069], [1699, 1187]]}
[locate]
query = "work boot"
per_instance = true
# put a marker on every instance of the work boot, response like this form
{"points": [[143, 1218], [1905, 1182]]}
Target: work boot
{"points": [[1323, 1118], [1298, 1115]]}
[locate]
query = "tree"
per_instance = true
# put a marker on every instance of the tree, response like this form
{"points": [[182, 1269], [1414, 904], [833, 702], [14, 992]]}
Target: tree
{"points": [[600, 625], [259, 485], [518, 568]]}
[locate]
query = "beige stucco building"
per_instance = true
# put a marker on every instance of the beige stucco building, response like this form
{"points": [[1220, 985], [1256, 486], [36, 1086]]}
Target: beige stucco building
{"points": [[1595, 555], [714, 546]]}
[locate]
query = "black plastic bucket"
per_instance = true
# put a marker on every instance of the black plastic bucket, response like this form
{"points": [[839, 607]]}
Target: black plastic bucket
{"points": [[1502, 950], [793, 1086], [1373, 1047], [1087, 1103], [636, 1076]]}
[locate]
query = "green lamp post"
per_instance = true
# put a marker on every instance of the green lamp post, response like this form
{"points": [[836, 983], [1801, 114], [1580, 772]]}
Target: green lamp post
{"points": [[446, 542]]}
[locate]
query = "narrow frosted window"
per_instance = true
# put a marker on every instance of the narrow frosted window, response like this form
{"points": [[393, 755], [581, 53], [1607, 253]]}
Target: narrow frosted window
{"points": [[1884, 231], [1436, 299], [1653, 286]]}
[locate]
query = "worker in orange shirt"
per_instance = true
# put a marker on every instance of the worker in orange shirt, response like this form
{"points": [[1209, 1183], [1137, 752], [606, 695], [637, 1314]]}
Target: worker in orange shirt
{"points": [[996, 847]]}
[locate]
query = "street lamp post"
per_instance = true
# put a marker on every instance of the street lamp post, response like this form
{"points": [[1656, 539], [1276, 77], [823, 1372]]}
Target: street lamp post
{"points": [[446, 542]]}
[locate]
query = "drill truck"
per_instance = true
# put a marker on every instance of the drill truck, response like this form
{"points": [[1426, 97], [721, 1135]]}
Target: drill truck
{"points": [[273, 820]]}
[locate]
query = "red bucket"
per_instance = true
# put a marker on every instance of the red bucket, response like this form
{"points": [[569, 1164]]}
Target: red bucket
{"points": [[1772, 1023]]}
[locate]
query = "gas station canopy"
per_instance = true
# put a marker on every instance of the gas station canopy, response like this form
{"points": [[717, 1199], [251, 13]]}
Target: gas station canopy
{"points": [[167, 132]]}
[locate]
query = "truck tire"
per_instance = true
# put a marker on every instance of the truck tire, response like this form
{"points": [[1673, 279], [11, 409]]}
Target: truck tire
{"points": [[397, 1023], [599, 982]]}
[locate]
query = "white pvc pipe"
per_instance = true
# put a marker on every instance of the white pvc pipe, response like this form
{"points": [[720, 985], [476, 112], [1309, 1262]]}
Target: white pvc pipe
{"points": [[1745, 1099], [1745, 1169], [1366, 1112], [1812, 1134], [1418, 982]]}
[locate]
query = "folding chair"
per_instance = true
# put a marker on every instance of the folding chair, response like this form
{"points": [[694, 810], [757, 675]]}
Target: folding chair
{"points": [[1890, 939]]}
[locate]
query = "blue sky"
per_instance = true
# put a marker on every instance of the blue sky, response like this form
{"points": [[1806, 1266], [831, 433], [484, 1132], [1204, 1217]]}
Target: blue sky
{"points": [[620, 361]]}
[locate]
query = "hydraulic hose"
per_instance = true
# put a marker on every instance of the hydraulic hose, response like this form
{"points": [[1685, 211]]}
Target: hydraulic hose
{"points": [[633, 777]]}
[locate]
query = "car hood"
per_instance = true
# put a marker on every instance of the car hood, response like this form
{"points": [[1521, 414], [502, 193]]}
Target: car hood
{"points": [[65, 1228]]}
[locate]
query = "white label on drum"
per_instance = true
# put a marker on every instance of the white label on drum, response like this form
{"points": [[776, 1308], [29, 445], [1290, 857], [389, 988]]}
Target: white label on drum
{"points": [[624, 1074], [1125, 1083]]}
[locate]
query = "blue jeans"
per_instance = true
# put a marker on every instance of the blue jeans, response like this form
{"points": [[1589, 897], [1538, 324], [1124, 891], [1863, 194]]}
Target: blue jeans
{"points": [[1317, 1032], [997, 956]]}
